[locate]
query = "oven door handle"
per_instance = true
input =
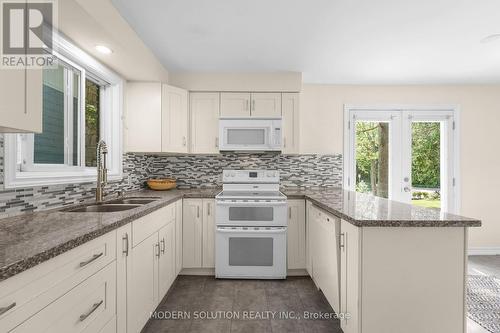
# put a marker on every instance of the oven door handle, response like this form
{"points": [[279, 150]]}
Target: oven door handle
{"points": [[252, 231], [255, 204]]}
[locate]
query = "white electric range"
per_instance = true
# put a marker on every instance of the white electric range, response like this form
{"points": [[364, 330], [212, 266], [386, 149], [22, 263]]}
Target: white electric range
{"points": [[251, 226]]}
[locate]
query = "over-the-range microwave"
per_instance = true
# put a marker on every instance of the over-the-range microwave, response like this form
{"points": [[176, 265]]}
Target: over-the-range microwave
{"points": [[250, 134]]}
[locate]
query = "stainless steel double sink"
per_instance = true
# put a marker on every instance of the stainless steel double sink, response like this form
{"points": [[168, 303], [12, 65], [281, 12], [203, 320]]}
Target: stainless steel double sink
{"points": [[117, 205]]}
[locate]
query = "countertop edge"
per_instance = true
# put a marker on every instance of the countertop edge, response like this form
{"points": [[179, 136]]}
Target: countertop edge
{"points": [[30, 262]]}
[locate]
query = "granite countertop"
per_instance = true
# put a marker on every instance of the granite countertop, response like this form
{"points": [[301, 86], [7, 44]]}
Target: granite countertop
{"points": [[365, 210], [30, 239]]}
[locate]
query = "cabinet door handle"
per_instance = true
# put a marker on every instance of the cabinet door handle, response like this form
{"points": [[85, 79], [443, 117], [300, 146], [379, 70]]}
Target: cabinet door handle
{"points": [[198, 211], [253, 104], [246, 107], [289, 212], [208, 209], [94, 257], [163, 246], [7, 308], [184, 141], [216, 142], [125, 250], [342, 241], [157, 249], [92, 309], [284, 142]]}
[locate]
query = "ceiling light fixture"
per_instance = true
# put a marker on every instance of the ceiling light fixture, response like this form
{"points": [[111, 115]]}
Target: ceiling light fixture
{"points": [[103, 49], [491, 38]]}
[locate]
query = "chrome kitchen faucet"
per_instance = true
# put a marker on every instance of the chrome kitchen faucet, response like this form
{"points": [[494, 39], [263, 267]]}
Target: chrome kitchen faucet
{"points": [[102, 171]]}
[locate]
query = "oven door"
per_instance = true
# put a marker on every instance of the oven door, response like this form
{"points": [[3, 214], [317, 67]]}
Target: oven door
{"points": [[251, 213], [251, 253]]}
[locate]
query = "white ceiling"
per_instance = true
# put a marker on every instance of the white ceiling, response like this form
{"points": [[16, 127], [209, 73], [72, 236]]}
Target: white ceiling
{"points": [[329, 41]]}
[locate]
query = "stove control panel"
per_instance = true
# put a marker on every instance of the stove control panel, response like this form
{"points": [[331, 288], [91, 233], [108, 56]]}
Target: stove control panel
{"points": [[250, 176]]}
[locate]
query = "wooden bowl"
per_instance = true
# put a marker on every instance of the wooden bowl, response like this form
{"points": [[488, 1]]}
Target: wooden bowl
{"points": [[162, 184]]}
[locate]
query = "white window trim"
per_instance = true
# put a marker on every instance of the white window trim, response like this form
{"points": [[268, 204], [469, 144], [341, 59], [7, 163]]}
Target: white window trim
{"points": [[348, 157], [112, 121]]}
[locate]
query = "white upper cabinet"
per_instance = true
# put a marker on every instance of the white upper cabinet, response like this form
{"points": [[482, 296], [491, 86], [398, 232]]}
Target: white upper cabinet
{"points": [[265, 105], [234, 104], [174, 119], [204, 122], [143, 117], [21, 100], [290, 112], [250, 104]]}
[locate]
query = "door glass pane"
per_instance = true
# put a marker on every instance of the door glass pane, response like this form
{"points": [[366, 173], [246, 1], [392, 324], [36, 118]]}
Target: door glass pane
{"points": [[251, 213], [250, 251], [255, 136], [426, 164], [372, 158]]}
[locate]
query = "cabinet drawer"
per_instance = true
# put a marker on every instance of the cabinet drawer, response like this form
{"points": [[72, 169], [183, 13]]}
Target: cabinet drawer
{"points": [[37, 287], [147, 225], [86, 308]]}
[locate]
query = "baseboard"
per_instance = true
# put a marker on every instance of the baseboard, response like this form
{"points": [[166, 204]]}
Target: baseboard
{"points": [[483, 251], [211, 271], [297, 272], [197, 271]]}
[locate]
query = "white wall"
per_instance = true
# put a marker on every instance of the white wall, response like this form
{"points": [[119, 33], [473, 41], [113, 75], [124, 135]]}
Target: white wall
{"points": [[270, 81], [321, 122]]}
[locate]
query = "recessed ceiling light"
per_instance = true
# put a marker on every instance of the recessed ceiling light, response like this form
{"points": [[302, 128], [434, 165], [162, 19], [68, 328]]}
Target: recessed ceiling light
{"points": [[491, 38], [103, 49]]}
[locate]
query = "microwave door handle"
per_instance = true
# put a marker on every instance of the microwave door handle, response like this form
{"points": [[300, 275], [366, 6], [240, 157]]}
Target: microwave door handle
{"points": [[251, 231]]}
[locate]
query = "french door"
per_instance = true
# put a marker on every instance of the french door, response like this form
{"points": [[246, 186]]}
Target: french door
{"points": [[407, 155]]}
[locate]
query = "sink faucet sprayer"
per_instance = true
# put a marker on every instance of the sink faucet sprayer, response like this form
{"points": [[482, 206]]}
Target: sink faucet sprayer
{"points": [[102, 171]]}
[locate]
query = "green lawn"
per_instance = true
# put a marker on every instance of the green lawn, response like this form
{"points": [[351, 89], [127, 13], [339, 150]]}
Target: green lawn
{"points": [[427, 203]]}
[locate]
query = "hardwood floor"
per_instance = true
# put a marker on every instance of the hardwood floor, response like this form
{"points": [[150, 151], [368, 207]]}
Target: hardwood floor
{"points": [[479, 265]]}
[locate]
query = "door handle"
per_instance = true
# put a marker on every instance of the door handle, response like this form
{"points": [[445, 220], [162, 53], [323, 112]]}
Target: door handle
{"points": [[289, 212], [208, 209], [247, 103], [407, 189], [125, 251], [198, 211], [216, 142], [162, 246], [342, 241], [157, 249], [92, 309], [94, 257], [253, 104]]}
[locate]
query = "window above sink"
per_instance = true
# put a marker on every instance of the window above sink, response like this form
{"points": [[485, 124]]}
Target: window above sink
{"points": [[82, 103]]}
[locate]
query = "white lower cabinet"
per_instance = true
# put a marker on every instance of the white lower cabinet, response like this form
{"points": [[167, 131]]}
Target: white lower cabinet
{"points": [[324, 253], [150, 265], [86, 308], [142, 283], [192, 233], [349, 277], [198, 245], [178, 236], [166, 264], [296, 235], [208, 257]]}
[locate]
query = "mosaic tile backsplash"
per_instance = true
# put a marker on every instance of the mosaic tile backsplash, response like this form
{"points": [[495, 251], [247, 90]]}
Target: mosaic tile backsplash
{"points": [[191, 171]]}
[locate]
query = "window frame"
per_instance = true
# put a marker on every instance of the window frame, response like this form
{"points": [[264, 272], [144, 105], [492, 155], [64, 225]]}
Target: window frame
{"points": [[110, 123]]}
